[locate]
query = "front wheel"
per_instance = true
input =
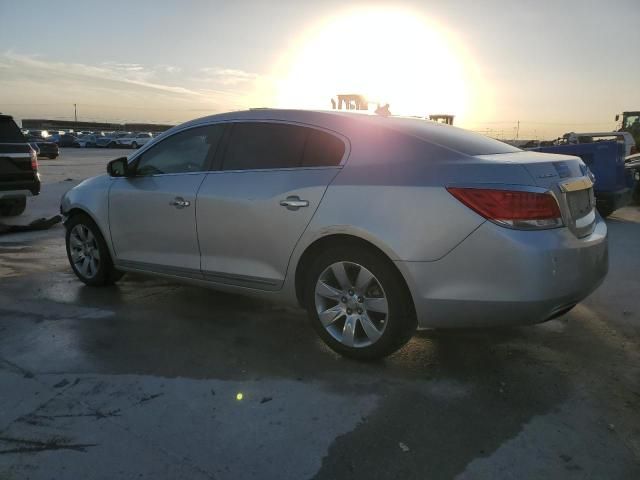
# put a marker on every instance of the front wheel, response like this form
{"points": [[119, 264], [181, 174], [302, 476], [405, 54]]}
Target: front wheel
{"points": [[358, 303], [88, 253]]}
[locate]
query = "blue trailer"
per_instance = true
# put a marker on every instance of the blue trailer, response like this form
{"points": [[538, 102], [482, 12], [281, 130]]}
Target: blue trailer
{"points": [[613, 183]]}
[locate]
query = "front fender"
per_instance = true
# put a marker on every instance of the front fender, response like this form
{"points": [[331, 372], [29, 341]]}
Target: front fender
{"points": [[92, 198]]}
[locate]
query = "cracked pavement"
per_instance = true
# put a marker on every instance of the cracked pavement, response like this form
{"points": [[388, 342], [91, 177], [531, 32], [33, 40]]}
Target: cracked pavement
{"points": [[153, 379]]}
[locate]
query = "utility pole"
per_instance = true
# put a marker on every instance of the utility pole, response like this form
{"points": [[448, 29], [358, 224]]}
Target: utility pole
{"points": [[518, 130], [75, 114]]}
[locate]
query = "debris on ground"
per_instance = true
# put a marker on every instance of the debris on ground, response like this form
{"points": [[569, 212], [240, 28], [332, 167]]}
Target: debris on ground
{"points": [[403, 447], [39, 224]]}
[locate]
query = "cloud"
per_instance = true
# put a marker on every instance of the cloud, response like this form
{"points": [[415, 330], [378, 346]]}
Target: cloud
{"points": [[121, 90], [227, 76]]}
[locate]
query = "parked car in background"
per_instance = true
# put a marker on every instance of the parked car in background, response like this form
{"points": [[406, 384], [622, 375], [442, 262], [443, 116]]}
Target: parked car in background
{"points": [[135, 140], [19, 176], [37, 133], [104, 141], [67, 140], [45, 148], [374, 224], [53, 137], [86, 141]]}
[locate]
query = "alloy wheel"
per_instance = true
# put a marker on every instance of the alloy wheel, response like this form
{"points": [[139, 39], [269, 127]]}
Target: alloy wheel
{"points": [[351, 304], [85, 253]]}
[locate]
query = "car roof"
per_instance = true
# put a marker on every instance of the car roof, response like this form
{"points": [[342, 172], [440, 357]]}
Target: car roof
{"points": [[445, 136]]}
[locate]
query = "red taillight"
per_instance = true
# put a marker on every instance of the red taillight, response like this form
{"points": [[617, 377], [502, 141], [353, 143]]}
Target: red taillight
{"points": [[515, 208], [34, 160]]}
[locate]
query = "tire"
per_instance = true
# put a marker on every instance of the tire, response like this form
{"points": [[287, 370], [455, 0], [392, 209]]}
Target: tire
{"points": [[362, 310], [635, 196], [13, 207], [97, 272], [605, 210], [134, 145], [53, 157]]}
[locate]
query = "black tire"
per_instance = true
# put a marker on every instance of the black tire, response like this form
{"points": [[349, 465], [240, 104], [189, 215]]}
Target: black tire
{"points": [[13, 207], [605, 210], [134, 145], [106, 273], [401, 319], [635, 197], [53, 157]]}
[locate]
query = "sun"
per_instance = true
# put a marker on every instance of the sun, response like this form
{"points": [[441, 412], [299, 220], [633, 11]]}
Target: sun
{"points": [[388, 55]]}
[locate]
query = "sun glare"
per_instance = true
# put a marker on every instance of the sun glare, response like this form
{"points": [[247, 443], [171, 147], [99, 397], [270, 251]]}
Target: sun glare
{"points": [[389, 56]]}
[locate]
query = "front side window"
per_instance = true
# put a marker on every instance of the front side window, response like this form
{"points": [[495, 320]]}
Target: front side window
{"points": [[261, 145], [183, 152]]}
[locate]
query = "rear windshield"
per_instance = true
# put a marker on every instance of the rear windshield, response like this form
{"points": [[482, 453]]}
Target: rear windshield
{"points": [[9, 131], [463, 141]]}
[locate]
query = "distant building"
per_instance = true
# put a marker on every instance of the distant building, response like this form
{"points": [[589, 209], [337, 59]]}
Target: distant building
{"points": [[45, 124]]}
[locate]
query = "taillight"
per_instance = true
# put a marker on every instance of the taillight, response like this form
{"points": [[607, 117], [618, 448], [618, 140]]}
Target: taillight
{"points": [[34, 160], [512, 208]]}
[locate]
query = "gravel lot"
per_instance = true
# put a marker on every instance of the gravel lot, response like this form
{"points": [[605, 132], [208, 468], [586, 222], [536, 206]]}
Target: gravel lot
{"points": [[152, 379]]}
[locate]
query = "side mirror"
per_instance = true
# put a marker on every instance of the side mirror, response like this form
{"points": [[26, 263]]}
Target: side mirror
{"points": [[118, 167]]}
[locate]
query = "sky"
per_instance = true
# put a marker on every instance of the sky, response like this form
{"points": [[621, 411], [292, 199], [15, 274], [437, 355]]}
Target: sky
{"points": [[552, 66]]}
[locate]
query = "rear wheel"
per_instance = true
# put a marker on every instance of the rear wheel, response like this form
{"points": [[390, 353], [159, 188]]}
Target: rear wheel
{"points": [[358, 303], [53, 157], [88, 253], [134, 145], [12, 207]]}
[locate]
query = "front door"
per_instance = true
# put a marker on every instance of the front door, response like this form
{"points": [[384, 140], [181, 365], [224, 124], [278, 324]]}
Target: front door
{"points": [[152, 214]]}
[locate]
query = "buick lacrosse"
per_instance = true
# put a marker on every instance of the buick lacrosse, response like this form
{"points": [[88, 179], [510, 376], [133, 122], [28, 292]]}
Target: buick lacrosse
{"points": [[375, 225]]}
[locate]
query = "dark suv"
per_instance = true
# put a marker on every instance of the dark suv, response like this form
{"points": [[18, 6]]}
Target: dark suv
{"points": [[18, 169]]}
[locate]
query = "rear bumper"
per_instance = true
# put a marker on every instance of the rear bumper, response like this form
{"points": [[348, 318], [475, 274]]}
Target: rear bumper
{"points": [[499, 276], [11, 194], [19, 188]]}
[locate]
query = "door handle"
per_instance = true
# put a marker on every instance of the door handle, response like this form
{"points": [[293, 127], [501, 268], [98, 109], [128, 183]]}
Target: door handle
{"points": [[179, 203], [294, 203]]}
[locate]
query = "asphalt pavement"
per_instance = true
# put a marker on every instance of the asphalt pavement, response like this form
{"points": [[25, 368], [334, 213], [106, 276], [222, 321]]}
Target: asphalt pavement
{"points": [[154, 379]]}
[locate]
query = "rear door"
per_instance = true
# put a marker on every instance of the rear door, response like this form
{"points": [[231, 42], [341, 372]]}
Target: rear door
{"points": [[252, 212], [152, 215]]}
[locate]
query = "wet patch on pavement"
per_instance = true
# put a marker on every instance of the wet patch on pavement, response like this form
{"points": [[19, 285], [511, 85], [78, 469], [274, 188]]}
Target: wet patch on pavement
{"points": [[163, 380]]}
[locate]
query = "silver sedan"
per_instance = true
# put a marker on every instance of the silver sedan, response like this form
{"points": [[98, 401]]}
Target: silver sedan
{"points": [[375, 225]]}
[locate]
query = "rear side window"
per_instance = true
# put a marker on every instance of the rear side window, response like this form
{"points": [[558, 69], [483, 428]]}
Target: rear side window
{"points": [[264, 145], [183, 152], [261, 145], [9, 131], [322, 150]]}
